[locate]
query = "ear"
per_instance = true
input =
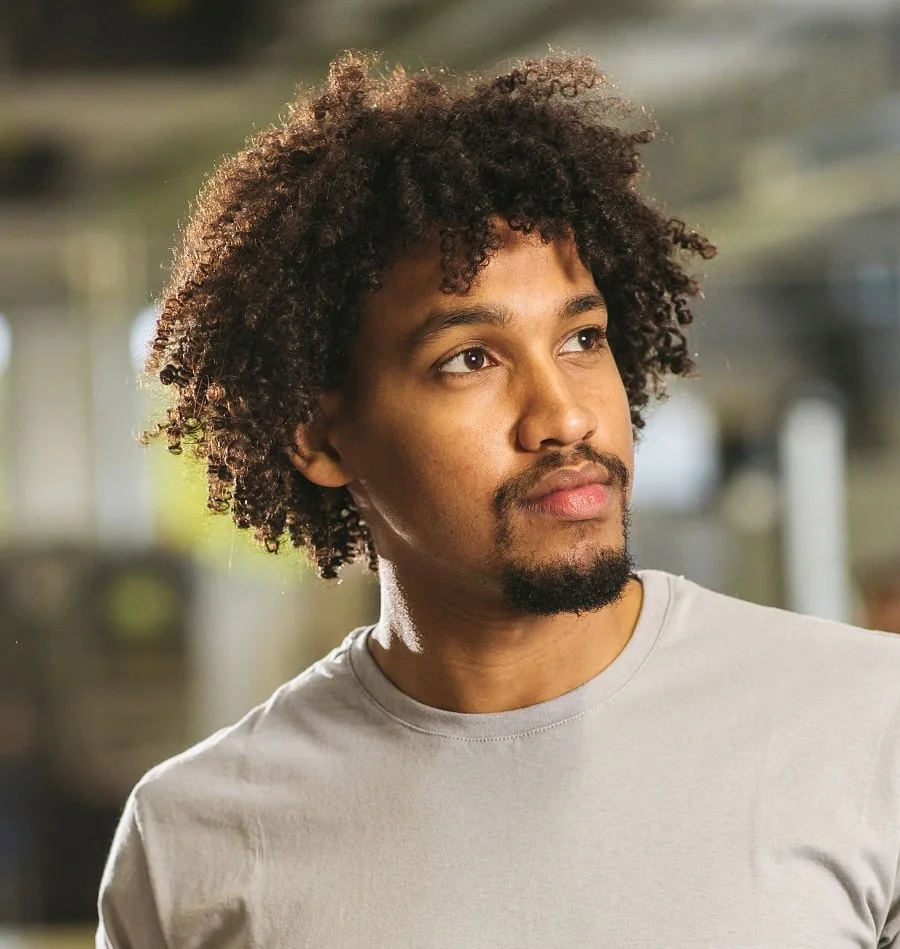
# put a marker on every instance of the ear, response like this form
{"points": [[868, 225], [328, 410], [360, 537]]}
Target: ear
{"points": [[318, 457]]}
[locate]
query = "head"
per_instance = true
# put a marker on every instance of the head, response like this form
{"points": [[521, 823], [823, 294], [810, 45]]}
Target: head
{"points": [[502, 213]]}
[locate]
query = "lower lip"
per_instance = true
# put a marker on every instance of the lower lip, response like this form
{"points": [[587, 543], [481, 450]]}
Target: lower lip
{"points": [[578, 504]]}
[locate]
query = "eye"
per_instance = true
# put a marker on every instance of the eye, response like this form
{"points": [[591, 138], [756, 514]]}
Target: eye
{"points": [[472, 358], [592, 336]]}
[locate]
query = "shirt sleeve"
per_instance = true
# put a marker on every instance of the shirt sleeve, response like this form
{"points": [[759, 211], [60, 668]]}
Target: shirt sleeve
{"points": [[128, 917]]}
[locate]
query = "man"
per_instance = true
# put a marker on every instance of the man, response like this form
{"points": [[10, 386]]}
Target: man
{"points": [[418, 323]]}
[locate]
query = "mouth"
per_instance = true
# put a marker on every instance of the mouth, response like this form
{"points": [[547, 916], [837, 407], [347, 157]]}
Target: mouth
{"points": [[575, 504]]}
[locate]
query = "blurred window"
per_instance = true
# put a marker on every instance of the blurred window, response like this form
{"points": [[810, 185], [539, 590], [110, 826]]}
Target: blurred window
{"points": [[6, 346], [677, 455], [140, 336], [5, 343]]}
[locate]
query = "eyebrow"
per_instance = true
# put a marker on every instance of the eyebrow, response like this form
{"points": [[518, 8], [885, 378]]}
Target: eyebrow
{"points": [[439, 321]]}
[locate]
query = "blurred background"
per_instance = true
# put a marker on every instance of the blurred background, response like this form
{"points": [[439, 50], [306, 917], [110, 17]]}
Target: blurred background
{"points": [[132, 623]]}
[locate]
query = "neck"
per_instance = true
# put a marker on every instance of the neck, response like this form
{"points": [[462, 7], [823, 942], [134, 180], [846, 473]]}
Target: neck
{"points": [[446, 652]]}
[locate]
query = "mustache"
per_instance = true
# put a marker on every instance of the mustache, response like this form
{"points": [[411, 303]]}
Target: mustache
{"points": [[515, 490]]}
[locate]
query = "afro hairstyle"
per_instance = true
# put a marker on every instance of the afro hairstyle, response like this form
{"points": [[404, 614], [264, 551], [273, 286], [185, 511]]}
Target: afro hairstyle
{"points": [[288, 236]]}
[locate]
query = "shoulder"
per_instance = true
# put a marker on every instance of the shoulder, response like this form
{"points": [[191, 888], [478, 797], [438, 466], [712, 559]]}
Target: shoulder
{"points": [[271, 744], [827, 653], [710, 605]]}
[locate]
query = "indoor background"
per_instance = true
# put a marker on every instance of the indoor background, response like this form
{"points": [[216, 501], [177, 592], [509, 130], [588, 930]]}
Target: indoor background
{"points": [[133, 623]]}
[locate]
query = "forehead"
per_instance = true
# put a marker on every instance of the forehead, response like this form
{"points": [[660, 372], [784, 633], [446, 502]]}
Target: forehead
{"points": [[525, 275]]}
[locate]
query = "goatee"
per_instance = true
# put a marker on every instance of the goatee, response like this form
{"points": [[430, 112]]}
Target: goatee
{"points": [[548, 589]]}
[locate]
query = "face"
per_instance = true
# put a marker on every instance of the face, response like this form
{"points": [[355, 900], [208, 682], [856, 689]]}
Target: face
{"points": [[455, 408]]}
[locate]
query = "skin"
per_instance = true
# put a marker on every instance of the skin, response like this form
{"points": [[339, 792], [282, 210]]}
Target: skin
{"points": [[425, 452]]}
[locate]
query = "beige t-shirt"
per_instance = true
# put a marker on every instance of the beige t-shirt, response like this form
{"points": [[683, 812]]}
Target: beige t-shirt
{"points": [[731, 781]]}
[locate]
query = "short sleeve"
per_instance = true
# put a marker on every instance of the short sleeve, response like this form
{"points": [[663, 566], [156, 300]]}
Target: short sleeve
{"points": [[128, 917]]}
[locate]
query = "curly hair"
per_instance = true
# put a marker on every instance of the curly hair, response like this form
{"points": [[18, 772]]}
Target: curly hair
{"points": [[288, 236]]}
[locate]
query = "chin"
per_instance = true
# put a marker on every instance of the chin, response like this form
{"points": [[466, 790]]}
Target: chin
{"points": [[565, 587]]}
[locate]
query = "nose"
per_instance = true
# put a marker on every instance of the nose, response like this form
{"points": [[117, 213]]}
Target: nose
{"points": [[554, 412]]}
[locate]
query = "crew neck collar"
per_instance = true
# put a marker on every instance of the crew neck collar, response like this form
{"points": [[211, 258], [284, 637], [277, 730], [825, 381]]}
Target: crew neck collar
{"points": [[487, 726]]}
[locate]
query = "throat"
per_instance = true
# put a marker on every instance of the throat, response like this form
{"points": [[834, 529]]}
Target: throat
{"points": [[499, 670]]}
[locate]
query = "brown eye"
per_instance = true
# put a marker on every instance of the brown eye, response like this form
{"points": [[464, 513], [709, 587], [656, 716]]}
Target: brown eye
{"points": [[591, 338], [473, 359]]}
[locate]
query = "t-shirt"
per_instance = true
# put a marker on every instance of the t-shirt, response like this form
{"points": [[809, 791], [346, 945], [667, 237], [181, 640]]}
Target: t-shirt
{"points": [[731, 780]]}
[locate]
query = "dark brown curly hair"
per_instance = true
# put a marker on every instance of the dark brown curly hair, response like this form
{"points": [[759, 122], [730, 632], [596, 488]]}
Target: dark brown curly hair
{"points": [[290, 234]]}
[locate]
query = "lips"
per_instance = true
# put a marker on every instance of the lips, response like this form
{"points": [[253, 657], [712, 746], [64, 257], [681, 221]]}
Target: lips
{"points": [[579, 504], [569, 479]]}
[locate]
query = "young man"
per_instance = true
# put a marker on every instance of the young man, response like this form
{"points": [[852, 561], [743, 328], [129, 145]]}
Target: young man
{"points": [[418, 323]]}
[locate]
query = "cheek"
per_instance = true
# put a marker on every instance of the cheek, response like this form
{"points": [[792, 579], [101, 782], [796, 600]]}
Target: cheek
{"points": [[425, 474], [622, 414], [626, 434], [625, 440], [614, 430]]}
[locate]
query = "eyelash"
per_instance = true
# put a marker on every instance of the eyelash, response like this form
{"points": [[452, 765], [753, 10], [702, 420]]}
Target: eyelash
{"points": [[598, 330]]}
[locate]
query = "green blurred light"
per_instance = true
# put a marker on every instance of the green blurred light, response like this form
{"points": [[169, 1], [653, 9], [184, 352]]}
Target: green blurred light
{"points": [[140, 607]]}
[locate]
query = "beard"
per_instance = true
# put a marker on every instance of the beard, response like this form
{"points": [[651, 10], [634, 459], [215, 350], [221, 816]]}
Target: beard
{"points": [[563, 587]]}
